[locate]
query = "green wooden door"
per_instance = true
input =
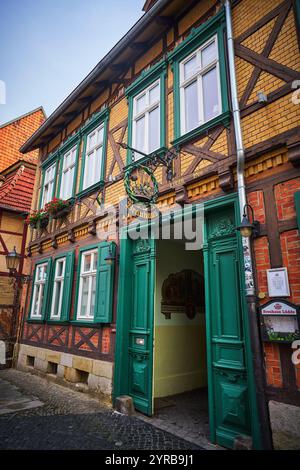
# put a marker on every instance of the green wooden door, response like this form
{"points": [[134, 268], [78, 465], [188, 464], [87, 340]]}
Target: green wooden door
{"points": [[134, 352], [229, 405]]}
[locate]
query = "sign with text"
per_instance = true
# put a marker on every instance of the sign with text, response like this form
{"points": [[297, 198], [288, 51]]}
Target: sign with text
{"points": [[279, 321]]}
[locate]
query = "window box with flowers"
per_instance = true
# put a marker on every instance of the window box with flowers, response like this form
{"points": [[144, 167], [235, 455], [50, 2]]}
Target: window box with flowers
{"points": [[58, 208], [38, 219]]}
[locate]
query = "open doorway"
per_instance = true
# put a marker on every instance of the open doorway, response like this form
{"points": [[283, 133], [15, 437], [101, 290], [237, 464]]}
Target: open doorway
{"points": [[180, 366]]}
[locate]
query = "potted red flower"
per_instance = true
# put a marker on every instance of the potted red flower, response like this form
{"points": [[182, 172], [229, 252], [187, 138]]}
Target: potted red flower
{"points": [[38, 219], [58, 208]]}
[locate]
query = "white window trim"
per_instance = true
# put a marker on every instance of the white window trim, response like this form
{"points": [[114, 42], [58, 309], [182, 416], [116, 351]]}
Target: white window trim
{"points": [[89, 151], [92, 273], [198, 76], [61, 279], [145, 113], [64, 172], [41, 283], [52, 182]]}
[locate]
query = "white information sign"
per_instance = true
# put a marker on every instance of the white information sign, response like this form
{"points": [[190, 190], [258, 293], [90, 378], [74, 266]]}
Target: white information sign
{"points": [[278, 283]]}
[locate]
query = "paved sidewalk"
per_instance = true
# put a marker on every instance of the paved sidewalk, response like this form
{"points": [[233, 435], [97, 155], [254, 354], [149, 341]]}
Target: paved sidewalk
{"points": [[72, 420]]}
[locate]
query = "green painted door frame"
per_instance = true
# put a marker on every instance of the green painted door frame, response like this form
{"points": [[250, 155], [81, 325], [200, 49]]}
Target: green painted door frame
{"points": [[232, 398]]}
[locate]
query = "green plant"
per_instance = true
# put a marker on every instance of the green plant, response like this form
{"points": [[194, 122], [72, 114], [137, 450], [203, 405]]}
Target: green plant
{"points": [[56, 205], [36, 218]]}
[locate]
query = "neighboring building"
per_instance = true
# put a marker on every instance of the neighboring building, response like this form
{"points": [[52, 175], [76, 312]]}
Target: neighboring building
{"points": [[17, 174], [148, 318]]}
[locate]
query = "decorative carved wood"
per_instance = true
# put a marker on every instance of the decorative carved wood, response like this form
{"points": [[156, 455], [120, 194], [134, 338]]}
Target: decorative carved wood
{"points": [[117, 159]]}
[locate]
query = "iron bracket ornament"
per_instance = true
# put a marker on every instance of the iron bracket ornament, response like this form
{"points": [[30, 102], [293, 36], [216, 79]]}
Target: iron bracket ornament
{"points": [[146, 189]]}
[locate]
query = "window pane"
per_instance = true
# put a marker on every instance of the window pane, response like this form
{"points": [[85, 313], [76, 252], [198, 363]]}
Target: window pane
{"points": [[95, 261], [93, 296], [35, 300], [210, 95], [87, 262], [92, 140], [84, 296], [100, 133], [88, 170], [140, 103], [191, 106], [56, 300], [98, 164], [209, 54], [140, 134], [60, 265], [154, 129], [154, 94], [190, 67]]}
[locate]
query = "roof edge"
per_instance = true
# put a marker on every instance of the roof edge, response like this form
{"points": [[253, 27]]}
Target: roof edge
{"points": [[111, 55], [40, 108]]}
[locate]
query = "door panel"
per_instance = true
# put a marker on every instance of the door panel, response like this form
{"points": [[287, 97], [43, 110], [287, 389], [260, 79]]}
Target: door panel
{"points": [[228, 393]]}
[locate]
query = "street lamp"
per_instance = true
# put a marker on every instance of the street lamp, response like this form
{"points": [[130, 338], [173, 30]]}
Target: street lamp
{"points": [[12, 261], [248, 229]]}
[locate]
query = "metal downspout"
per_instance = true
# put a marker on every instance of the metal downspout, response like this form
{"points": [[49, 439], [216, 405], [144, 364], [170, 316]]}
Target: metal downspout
{"points": [[257, 354]]}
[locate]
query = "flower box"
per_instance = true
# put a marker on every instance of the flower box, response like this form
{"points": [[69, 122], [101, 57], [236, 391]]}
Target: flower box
{"points": [[58, 208], [38, 219]]}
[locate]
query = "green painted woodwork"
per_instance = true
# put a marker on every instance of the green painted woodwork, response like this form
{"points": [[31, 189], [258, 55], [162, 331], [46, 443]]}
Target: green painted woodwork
{"points": [[134, 349], [95, 121], [67, 288], [232, 400], [46, 291], [297, 207], [146, 78], [104, 284], [232, 396], [43, 180], [198, 36], [71, 142]]}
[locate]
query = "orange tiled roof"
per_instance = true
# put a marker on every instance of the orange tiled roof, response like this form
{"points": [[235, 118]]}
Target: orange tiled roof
{"points": [[14, 133], [16, 191]]}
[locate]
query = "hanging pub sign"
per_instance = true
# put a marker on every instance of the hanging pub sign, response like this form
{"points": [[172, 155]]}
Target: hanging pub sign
{"points": [[279, 321]]}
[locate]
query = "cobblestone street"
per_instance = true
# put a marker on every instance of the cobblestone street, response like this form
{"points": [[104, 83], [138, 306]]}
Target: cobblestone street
{"points": [[41, 415]]}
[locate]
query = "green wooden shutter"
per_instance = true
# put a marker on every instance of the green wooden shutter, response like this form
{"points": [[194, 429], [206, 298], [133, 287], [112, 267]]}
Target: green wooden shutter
{"points": [[105, 280], [297, 207], [47, 289], [68, 280]]}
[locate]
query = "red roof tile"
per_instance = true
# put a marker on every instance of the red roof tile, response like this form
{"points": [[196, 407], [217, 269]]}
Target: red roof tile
{"points": [[15, 133], [16, 191]]}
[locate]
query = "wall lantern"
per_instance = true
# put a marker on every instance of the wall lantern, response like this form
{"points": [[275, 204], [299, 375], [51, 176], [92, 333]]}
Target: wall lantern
{"points": [[110, 258], [12, 261], [248, 229]]}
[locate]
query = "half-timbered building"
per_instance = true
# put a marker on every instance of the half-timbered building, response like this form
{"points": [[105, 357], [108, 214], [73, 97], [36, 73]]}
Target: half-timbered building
{"points": [[196, 110]]}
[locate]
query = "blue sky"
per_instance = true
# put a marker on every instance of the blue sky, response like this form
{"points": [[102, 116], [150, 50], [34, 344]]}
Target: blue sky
{"points": [[48, 46]]}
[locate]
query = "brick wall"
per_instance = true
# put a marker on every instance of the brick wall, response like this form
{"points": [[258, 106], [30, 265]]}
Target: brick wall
{"points": [[289, 245]]}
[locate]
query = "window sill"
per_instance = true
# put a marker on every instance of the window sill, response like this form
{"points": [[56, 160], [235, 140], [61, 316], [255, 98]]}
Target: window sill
{"points": [[143, 161], [35, 320], [57, 322], [86, 323], [223, 118], [90, 189]]}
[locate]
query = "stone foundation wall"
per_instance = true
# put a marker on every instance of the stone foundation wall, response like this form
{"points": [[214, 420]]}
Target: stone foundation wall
{"points": [[91, 374], [285, 424]]}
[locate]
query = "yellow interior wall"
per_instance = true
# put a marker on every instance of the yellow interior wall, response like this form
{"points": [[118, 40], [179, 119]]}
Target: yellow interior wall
{"points": [[179, 343]]}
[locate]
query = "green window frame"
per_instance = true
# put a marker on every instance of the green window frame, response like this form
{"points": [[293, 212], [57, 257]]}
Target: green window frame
{"points": [[215, 27], [72, 142], [40, 290], [92, 124], [104, 279], [52, 160], [157, 72], [65, 279]]}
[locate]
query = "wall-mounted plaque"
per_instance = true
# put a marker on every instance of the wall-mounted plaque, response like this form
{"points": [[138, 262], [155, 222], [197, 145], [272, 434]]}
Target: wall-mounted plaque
{"points": [[279, 321], [278, 283], [183, 292]]}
